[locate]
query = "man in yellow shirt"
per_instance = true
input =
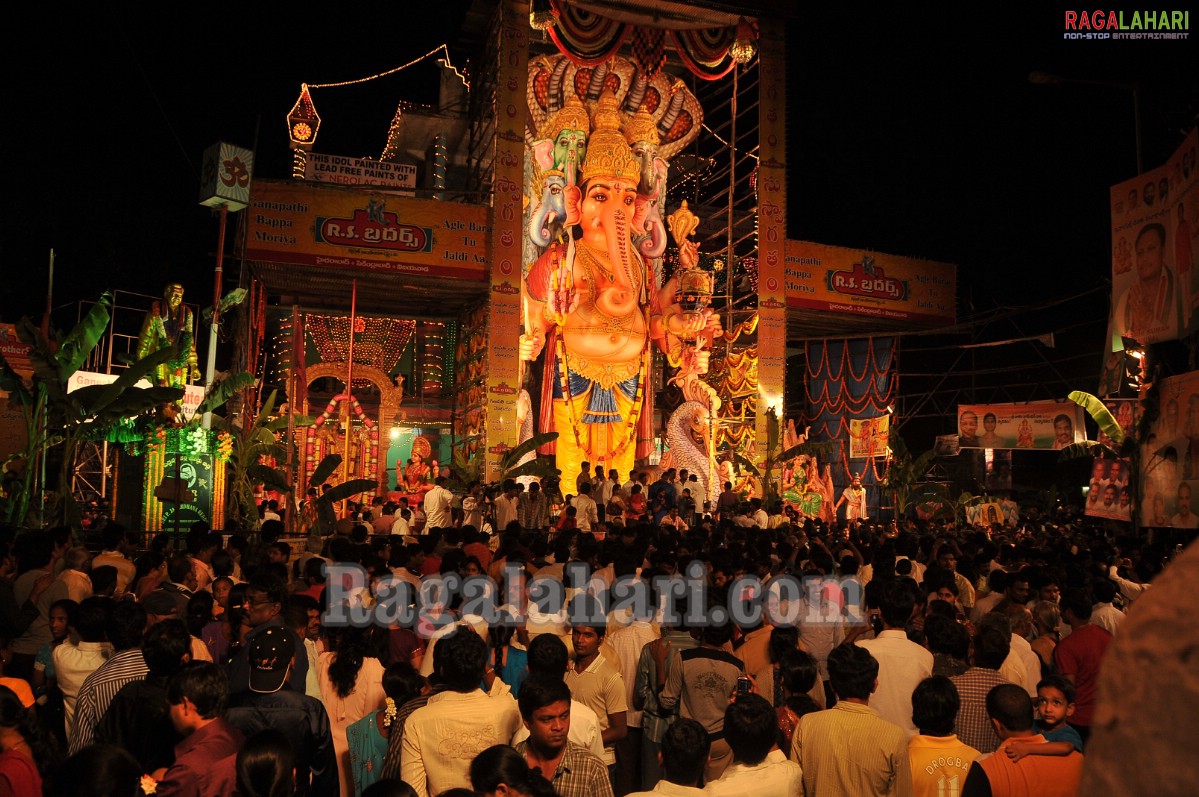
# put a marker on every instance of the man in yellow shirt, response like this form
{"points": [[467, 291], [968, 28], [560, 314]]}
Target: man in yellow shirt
{"points": [[940, 762]]}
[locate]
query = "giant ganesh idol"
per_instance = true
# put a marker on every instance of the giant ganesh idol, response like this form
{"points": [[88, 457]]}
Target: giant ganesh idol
{"points": [[593, 305]]}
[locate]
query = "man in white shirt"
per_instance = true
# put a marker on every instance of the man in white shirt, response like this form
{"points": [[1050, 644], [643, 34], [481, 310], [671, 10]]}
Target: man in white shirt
{"points": [[507, 506], [588, 514], [759, 768], [902, 664], [116, 547], [1104, 614], [402, 526], [684, 752], [442, 738], [437, 506]]}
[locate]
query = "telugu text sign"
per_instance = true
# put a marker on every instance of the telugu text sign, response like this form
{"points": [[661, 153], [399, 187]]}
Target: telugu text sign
{"points": [[364, 230], [857, 282]]}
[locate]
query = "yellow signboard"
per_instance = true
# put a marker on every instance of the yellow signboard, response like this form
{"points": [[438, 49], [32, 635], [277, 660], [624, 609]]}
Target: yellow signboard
{"points": [[365, 230], [857, 282]]}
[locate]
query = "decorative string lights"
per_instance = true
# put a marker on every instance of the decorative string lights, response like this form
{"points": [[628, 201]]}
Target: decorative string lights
{"points": [[303, 122], [432, 335]]}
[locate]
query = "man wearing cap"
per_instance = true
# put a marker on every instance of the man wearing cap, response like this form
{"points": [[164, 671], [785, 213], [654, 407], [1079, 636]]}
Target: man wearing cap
{"points": [[272, 703], [264, 607]]}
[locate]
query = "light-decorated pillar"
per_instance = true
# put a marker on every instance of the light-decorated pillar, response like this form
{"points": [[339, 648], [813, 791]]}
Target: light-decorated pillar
{"points": [[772, 226], [503, 309]]}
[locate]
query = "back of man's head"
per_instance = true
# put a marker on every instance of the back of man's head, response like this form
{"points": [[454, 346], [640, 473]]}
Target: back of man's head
{"points": [[164, 646], [537, 692], [125, 624], [205, 686], [992, 640], [91, 618], [460, 658], [547, 656], [750, 728], [1077, 603], [935, 704], [852, 671], [179, 567], [897, 603], [684, 752], [1011, 707]]}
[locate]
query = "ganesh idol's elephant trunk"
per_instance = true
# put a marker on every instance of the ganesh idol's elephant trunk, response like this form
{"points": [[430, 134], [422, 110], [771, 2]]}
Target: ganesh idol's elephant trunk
{"points": [[554, 100], [618, 250]]}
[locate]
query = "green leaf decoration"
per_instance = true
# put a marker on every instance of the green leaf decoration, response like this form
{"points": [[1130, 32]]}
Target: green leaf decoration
{"points": [[79, 343], [1103, 418], [324, 469], [348, 489], [224, 389]]}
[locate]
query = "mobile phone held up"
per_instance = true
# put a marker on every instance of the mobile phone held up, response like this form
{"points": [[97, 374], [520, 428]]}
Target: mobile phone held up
{"points": [[744, 686]]}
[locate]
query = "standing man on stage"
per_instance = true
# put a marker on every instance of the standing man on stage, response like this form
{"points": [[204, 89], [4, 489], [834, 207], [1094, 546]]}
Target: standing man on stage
{"points": [[854, 498]]}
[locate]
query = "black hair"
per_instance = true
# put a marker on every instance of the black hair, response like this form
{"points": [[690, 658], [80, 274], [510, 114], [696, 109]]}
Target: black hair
{"points": [[852, 671], [935, 704], [501, 764], [547, 655], [1078, 602], [266, 766], [389, 787], [274, 589], [685, 752], [402, 682], [92, 617], [222, 564], [125, 625], [1011, 706], [178, 567], [199, 612], [352, 647], [204, 684], [537, 692], [783, 638], [1061, 684], [945, 635], [164, 646], [992, 640], [717, 634], [69, 607], [1103, 590], [798, 671], [282, 547], [98, 770], [896, 604], [104, 580], [14, 715], [750, 728], [460, 658]]}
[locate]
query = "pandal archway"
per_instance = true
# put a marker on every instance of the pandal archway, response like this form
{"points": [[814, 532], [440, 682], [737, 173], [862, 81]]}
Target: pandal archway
{"points": [[325, 437]]}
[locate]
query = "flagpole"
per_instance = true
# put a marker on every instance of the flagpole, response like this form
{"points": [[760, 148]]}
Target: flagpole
{"points": [[345, 462]]}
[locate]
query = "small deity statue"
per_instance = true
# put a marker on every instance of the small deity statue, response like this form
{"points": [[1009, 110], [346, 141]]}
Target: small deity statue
{"points": [[170, 323], [418, 473]]}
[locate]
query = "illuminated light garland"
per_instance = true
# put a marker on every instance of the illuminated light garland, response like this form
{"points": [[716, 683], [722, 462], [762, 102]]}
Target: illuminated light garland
{"points": [[442, 48]]}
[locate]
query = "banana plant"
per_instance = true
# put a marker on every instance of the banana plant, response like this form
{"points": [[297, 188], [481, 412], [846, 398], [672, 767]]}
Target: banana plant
{"points": [[61, 420], [903, 474]]}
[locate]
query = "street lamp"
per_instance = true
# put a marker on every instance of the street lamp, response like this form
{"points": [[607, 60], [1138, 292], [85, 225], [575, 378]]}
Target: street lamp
{"points": [[1047, 79]]}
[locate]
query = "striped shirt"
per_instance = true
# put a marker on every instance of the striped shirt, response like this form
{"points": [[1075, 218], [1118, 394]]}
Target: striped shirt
{"points": [[100, 688], [848, 749]]}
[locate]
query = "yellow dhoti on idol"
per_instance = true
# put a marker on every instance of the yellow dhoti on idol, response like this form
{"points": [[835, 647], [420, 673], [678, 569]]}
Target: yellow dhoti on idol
{"points": [[596, 409]]}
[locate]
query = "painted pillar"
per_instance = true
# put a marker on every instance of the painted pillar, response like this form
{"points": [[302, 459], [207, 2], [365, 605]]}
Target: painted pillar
{"points": [[772, 226], [503, 311]]}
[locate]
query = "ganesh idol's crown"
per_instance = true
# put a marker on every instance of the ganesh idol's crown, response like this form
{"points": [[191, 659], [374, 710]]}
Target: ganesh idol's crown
{"points": [[641, 127], [571, 116], [608, 153]]}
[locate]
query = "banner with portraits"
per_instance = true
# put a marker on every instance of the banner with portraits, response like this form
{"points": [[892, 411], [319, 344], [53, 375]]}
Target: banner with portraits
{"points": [[1047, 425], [1108, 495], [1155, 274], [1170, 456]]}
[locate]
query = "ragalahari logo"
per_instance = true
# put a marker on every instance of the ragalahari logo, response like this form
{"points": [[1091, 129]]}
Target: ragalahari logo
{"points": [[1100, 24]]}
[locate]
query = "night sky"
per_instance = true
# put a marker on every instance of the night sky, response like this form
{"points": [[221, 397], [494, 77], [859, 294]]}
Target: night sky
{"points": [[911, 132]]}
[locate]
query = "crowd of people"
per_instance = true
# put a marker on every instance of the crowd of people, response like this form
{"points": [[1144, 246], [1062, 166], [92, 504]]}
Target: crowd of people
{"points": [[917, 658]]}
